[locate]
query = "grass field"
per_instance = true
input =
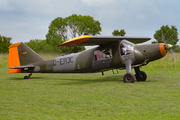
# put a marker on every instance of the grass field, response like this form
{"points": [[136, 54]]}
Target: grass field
{"points": [[92, 96]]}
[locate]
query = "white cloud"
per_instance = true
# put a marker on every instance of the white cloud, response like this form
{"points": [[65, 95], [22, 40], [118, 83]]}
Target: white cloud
{"points": [[49, 8], [97, 3], [29, 19]]}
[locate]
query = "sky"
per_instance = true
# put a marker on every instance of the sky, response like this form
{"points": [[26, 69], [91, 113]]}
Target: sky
{"points": [[24, 20]]}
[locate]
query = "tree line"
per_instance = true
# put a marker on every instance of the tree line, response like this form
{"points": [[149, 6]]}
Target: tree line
{"points": [[63, 29], [4, 44]]}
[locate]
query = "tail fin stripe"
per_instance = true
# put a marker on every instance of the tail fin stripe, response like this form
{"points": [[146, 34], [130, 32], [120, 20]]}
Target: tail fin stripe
{"points": [[13, 58]]}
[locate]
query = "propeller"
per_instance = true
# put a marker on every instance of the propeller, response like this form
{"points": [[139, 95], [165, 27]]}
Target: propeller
{"points": [[168, 47]]}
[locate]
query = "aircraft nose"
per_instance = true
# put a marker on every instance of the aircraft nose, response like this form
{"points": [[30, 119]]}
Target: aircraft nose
{"points": [[163, 49], [168, 46]]}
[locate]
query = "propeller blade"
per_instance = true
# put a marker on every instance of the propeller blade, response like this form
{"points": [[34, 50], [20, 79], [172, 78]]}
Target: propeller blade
{"points": [[168, 46], [163, 38], [173, 54]]}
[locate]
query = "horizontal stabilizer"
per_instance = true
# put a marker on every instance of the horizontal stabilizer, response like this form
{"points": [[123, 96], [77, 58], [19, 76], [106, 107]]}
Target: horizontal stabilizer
{"points": [[23, 66]]}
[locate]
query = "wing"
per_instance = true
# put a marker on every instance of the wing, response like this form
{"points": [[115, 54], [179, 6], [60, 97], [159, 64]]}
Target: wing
{"points": [[22, 66], [101, 40]]}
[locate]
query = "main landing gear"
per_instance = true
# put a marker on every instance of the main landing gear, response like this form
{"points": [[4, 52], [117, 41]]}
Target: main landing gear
{"points": [[26, 77], [140, 75], [130, 78]]}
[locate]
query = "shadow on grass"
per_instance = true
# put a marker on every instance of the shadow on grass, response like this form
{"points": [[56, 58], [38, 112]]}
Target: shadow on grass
{"points": [[77, 80], [18, 78], [148, 80], [81, 81], [100, 80]]}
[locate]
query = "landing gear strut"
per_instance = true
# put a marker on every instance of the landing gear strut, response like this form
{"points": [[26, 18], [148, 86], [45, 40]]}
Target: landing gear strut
{"points": [[26, 77], [140, 75], [128, 77]]}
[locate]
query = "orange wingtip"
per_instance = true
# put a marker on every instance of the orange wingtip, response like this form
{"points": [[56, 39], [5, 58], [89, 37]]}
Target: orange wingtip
{"points": [[75, 41]]}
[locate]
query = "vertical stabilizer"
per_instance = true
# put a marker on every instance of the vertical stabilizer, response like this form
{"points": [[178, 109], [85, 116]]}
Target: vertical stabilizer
{"points": [[20, 54]]}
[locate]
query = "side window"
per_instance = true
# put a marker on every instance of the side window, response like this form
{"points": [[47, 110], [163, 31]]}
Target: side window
{"points": [[98, 55], [104, 54]]}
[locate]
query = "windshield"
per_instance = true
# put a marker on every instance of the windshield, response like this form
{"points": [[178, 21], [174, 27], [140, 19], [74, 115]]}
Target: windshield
{"points": [[126, 47]]}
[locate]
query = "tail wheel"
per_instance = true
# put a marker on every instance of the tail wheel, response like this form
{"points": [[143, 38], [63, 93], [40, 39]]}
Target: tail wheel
{"points": [[141, 76], [129, 78], [26, 77]]}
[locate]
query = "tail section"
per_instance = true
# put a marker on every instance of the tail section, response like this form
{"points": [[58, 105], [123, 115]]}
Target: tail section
{"points": [[20, 54]]}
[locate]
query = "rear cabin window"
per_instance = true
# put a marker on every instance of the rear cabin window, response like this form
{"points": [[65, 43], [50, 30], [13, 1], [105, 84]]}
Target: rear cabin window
{"points": [[104, 54]]}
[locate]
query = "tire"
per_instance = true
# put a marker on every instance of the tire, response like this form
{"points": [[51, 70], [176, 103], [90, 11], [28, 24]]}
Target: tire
{"points": [[129, 78], [141, 77], [26, 77]]}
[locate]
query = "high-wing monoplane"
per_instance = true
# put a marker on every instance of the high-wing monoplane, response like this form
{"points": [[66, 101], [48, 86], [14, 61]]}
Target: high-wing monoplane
{"points": [[115, 52]]}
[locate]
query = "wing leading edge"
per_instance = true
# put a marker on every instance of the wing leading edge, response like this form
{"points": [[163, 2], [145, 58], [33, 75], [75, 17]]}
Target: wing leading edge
{"points": [[101, 40]]}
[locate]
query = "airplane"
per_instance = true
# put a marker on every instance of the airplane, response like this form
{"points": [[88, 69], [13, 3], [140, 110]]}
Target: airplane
{"points": [[112, 52]]}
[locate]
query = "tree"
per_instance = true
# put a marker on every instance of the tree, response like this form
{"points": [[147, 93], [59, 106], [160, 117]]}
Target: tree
{"points": [[81, 25], [119, 32], [4, 44], [56, 33], [170, 35], [63, 29]]}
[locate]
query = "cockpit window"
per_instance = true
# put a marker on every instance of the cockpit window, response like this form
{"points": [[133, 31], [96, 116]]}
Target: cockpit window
{"points": [[126, 47]]}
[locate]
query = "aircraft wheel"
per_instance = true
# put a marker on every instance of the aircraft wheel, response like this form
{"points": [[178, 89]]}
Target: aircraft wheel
{"points": [[129, 78], [141, 77], [26, 77]]}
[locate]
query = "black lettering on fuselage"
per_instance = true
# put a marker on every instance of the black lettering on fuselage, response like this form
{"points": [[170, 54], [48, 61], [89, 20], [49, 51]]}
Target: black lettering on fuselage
{"points": [[67, 60], [61, 61]]}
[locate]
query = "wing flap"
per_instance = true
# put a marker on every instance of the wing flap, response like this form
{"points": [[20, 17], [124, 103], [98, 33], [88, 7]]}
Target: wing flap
{"points": [[101, 40]]}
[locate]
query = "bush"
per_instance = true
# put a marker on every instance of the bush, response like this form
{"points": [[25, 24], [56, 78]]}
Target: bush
{"points": [[41, 46], [4, 44]]}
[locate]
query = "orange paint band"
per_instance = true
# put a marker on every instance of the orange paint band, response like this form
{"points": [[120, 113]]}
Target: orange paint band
{"points": [[13, 58], [162, 49]]}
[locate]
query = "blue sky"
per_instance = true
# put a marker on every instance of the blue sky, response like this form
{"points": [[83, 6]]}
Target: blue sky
{"points": [[24, 20]]}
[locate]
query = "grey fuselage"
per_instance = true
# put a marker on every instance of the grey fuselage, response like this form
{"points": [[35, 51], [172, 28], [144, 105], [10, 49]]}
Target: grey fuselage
{"points": [[95, 60]]}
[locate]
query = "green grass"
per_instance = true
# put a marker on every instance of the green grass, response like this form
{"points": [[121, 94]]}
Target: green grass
{"points": [[92, 96]]}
